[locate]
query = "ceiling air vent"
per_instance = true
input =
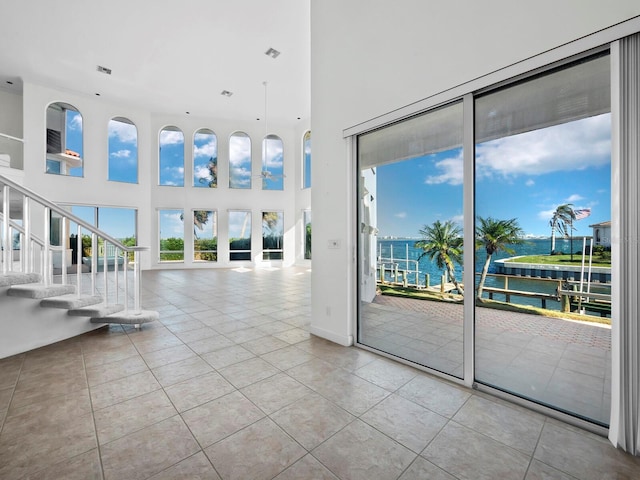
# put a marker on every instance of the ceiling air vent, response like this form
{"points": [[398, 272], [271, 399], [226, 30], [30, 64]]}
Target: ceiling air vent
{"points": [[102, 69], [272, 52]]}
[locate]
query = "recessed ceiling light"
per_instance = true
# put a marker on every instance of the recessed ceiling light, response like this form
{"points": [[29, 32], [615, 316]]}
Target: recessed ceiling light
{"points": [[188, 113], [9, 82], [272, 52], [226, 93], [102, 69], [97, 94]]}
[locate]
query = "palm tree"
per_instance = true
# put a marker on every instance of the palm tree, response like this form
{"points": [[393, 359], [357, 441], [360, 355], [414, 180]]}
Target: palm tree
{"points": [[561, 222], [495, 235], [442, 242]]}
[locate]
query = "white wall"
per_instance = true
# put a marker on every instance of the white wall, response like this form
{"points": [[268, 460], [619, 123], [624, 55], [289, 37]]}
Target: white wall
{"points": [[370, 57], [11, 124]]}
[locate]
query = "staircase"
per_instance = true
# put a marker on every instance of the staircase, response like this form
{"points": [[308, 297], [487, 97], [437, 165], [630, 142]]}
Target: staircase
{"points": [[46, 297]]}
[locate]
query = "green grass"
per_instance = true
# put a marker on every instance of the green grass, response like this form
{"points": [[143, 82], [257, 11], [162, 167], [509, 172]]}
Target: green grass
{"points": [[562, 260], [485, 303]]}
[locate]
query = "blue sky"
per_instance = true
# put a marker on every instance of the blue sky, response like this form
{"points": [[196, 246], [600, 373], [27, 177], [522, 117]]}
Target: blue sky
{"points": [[118, 222], [123, 151], [172, 157], [524, 176]]}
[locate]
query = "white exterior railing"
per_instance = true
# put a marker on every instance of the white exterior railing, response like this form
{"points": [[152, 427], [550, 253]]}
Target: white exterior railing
{"points": [[36, 251]]}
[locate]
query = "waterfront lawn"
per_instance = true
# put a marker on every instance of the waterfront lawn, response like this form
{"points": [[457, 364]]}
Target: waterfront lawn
{"points": [[564, 259]]}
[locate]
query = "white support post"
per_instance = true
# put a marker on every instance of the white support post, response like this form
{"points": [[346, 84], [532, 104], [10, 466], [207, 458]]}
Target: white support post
{"points": [[105, 268], [136, 282], [79, 261], [63, 251], [46, 251], [27, 244], [94, 262], [6, 244]]}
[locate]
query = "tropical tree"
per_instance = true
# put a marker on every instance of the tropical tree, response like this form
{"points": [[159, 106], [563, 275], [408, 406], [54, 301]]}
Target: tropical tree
{"points": [[496, 235], [442, 242], [561, 222]]}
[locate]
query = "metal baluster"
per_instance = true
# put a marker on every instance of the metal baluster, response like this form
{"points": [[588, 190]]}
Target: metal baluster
{"points": [[105, 267], [63, 252], [115, 270], [79, 264], [6, 252], [136, 282], [26, 223], [94, 262], [46, 265], [125, 279]]}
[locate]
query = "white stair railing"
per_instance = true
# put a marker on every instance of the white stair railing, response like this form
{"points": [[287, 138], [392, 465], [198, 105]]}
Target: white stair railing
{"points": [[31, 246]]}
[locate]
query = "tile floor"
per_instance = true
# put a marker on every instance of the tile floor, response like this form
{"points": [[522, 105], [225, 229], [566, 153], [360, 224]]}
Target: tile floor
{"points": [[229, 384]]}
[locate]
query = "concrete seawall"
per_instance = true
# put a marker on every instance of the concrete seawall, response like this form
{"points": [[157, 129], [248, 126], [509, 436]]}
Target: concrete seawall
{"points": [[565, 272]]}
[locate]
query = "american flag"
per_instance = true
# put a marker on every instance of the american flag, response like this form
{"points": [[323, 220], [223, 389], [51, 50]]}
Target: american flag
{"points": [[582, 213]]}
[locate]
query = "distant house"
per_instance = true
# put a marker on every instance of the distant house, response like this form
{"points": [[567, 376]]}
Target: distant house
{"points": [[602, 233]]}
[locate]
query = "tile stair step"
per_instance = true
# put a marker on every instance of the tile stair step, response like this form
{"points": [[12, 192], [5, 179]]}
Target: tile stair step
{"points": [[40, 291], [71, 301]]}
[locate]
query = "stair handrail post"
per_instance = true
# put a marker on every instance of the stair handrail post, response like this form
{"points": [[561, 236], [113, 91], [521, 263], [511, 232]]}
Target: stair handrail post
{"points": [[63, 251], [137, 278], [46, 264], [94, 261], [79, 264], [105, 269], [115, 270], [125, 279], [6, 258], [26, 245]]}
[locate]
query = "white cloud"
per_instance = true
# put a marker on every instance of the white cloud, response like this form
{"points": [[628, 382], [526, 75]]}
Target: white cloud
{"points": [[401, 215], [458, 219], [171, 137], [546, 214], [125, 132], [574, 198], [530, 183], [567, 147], [452, 171], [121, 154], [208, 149], [201, 171], [76, 120], [239, 150]]}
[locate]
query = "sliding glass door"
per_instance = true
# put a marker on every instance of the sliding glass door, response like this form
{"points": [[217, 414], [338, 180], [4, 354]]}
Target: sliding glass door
{"points": [[543, 262], [410, 209], [539, 299]]}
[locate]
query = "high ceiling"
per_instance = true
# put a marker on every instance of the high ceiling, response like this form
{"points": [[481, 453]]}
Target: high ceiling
{"points": [[166, 56]]}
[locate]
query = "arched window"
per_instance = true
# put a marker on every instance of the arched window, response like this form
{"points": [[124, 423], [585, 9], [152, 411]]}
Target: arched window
{"points": [[306, 160], [205, 159], [123, 150], [272, 163], [64, 140], [171, 163], [239, 160]]}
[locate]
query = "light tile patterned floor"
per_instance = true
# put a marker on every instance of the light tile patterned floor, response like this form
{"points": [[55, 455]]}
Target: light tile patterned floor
{"points": [[229, 384]]}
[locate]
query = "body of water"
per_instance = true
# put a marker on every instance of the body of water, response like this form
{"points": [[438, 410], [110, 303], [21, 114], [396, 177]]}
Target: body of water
{"points": [[401, 249]]}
